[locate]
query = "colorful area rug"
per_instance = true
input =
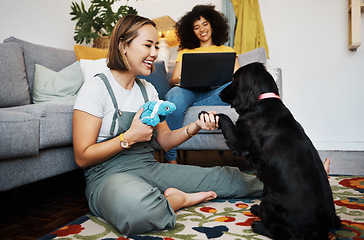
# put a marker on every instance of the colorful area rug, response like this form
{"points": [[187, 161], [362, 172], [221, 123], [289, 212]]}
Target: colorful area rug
{"points": [[227, 219]]}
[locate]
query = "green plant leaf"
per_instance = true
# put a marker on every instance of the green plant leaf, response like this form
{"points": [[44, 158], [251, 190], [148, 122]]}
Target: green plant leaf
{"points": [[98, 20]]}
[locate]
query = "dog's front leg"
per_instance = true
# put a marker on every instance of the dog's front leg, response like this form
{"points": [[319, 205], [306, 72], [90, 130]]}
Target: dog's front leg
{"points": [[235, 139], [256, 209]]}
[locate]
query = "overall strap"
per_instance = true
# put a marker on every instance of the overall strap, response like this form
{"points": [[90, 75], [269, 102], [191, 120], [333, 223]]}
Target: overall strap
{"points": [[111, 93], [142, 88], [118, 112]]}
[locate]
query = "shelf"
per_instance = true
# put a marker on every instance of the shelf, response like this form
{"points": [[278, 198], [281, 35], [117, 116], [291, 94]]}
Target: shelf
{"points": [[355, 8]]}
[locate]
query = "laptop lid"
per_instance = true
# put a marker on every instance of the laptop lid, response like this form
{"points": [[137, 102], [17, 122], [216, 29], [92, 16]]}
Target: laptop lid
{"points": [[207, 69]]}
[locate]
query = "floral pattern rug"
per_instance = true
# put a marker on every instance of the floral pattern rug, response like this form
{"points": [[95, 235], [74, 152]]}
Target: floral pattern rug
{"points": [[227, 219]]}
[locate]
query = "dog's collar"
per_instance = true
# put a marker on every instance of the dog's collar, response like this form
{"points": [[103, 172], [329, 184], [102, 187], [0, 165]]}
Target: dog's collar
{"points": [[268, 95]]}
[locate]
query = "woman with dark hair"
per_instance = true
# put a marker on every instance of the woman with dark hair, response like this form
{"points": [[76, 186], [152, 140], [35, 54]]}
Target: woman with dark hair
{"points": [[125, 185], [201, 30], [185, 27]]}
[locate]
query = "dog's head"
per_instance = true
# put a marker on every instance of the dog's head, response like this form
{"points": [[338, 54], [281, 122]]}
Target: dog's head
{"points": [[249, 82]]}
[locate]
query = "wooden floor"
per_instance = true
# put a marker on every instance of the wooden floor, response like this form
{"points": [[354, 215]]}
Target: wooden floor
{"points": [[32, 211]]}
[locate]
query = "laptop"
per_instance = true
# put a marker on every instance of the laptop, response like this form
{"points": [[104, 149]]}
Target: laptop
{"points": [[207, 69]]}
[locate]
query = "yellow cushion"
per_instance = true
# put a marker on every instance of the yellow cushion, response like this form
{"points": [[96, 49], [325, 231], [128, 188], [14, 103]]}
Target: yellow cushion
{"points": [[83, 52]]}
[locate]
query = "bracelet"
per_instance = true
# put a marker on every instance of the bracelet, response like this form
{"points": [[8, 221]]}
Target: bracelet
{"points": [[188, 133]]}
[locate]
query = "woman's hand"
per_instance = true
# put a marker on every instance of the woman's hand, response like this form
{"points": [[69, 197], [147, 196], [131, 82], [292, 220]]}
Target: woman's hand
{"points": [[85, 131], [168, 139], [208, 121], [138, 131]]}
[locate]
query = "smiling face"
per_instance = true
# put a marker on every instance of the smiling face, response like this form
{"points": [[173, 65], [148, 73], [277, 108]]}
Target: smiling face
{"points": [[203, 31], [143, 50]]}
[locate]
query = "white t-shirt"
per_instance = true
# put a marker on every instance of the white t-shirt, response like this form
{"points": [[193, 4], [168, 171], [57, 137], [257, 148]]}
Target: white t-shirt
{"points": [[94, 99]]}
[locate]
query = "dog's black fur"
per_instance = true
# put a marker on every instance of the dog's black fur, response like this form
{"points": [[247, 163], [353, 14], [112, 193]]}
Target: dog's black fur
{"points": [[297, 200]]}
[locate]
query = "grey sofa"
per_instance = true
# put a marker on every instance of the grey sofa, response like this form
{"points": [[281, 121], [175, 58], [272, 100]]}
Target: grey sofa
{"points": [[36, 139]]}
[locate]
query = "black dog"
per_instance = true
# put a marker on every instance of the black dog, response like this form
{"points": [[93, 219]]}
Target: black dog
{"points": [[297, 200]]}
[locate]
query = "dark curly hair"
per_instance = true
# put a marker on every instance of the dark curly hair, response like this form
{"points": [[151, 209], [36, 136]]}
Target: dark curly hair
{"points": [[219, 25]]}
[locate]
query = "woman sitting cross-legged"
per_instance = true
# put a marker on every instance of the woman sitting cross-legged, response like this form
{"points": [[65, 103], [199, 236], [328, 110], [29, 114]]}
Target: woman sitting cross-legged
{"points": [[125, 185]]}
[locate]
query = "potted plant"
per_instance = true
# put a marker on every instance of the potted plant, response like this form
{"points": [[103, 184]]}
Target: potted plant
{"points": [[96, 22]]}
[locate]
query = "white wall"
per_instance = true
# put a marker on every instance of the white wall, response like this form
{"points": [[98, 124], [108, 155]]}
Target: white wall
{"points": [[322, 80]]}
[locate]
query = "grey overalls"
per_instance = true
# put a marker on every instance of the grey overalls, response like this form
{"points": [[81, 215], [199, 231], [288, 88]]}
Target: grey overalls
{"points": [[127, 190]]}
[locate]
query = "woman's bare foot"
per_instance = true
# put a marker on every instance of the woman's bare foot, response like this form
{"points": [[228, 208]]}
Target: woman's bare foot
{"points": [[327, 166], [173, 162], [179, 199]]}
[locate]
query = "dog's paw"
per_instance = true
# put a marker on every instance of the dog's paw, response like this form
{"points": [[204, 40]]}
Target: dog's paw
{"points": [[204, 112], [255, 209], [258, 227]]}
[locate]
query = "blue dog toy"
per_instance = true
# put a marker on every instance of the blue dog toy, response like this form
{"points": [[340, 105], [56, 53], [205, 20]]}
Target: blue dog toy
{"points": [[156, 111]]}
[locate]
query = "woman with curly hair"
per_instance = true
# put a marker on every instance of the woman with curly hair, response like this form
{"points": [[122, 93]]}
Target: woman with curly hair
{"points": [[201, 30]]}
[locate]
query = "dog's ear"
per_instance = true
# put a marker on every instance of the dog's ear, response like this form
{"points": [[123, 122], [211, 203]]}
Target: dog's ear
{"points": [[248, 87], [228, 93]]}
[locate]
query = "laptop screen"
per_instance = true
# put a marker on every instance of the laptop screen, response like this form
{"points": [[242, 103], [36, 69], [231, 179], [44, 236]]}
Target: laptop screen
{"points": [[207, 69]]}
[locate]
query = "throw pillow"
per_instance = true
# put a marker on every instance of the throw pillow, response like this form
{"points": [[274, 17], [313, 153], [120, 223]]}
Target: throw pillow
{"points": [[83, 52], [91, 67], [49, 57], [255, 55], [14, 90], [92, 60], [159, 79], [57, 87]]}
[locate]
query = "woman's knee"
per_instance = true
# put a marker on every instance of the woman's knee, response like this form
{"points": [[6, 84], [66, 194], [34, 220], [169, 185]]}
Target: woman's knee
{"points": [[178, 94], [183, 99], [136, 207], [147, 212]]}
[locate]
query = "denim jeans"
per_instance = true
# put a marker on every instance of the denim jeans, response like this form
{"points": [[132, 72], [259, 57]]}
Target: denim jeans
{"points": [[183, 98]]}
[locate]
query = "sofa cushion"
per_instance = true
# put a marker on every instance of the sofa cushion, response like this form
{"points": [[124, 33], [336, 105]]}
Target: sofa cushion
{"points": [[83, 52], [57, 87], [14, 88], [255, 55], [91, 67], [49, 57], [92, 60], [19, 134], [55, 123]]}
